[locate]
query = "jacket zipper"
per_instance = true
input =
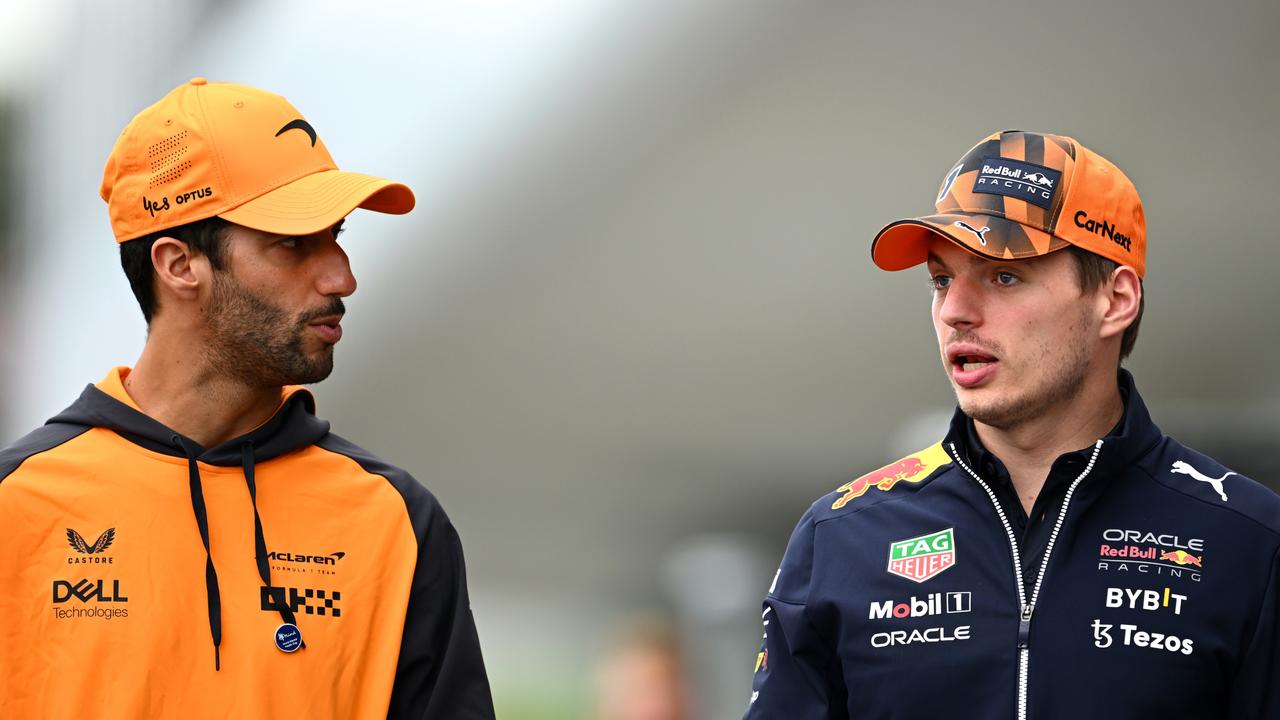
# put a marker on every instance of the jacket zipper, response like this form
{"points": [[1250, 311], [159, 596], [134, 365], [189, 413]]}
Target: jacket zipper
{"points": [[1028, 607]]}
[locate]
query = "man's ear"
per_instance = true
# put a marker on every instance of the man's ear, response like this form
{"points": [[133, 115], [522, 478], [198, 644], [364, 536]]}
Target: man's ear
{"points": [[1120, 299], [179, 271]]}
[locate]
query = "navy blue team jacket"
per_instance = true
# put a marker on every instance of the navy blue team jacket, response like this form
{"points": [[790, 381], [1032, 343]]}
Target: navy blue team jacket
{"points": [[1158, 595]]}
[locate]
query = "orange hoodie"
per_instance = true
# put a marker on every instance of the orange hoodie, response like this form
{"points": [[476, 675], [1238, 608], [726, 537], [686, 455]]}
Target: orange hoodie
{"points": [[285, 573]]}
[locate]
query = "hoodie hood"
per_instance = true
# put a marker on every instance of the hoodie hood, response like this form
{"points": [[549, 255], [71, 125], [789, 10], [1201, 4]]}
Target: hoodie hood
{"points": [[108, 405]]}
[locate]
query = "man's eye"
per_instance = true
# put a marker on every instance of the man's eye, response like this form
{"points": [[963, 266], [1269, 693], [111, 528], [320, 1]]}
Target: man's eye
{"points": [[1006, 278], [290, 242], [939, 282]]}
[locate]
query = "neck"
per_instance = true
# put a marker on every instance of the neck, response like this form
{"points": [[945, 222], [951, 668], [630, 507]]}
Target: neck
{"points": [[1029, 449], [178, 388]]}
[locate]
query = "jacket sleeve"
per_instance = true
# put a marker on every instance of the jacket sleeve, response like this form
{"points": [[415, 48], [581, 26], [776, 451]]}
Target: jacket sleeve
{"points": [[440, 673], [797, 671], [1255, 691]]}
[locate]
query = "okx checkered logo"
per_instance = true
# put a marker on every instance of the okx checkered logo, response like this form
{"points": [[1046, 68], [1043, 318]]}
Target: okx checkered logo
{"points": [[311, 601]]}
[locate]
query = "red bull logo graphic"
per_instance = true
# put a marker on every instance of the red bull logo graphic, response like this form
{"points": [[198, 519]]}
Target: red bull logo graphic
{"points": [[1182, 557], [910, 469]]}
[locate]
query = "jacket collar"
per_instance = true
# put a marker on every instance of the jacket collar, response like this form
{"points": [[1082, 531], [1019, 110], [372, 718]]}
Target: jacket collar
{"points": [[1132, 437], [107, 405]]}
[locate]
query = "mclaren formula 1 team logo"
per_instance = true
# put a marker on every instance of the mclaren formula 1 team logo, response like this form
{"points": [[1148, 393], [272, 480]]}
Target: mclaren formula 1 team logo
{"points": [[922, 558]]}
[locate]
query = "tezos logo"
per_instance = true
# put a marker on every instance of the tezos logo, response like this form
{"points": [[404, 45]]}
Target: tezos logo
{"points": [[1131, 636], [1016, 179], [921, 558], [932, 604]]}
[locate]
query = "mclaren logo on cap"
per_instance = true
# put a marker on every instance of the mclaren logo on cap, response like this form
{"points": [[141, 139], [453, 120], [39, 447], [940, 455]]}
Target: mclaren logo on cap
{"points": [[302, 125]]}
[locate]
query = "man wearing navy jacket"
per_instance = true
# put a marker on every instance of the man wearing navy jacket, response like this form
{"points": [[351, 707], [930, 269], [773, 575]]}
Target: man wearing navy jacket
{"points": [[1055, 556]]}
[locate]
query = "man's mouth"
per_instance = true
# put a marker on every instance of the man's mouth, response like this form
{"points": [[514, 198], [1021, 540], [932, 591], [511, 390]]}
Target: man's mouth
{"points": [[328, 328], [970, 364]]}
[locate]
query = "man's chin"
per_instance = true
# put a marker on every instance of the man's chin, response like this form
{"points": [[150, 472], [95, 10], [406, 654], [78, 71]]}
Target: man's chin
{"points": [[987, 410]]}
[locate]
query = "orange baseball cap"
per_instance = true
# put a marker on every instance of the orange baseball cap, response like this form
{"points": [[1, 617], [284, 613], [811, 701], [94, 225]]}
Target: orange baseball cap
{"points": [[1018, 195], [238, 153]]}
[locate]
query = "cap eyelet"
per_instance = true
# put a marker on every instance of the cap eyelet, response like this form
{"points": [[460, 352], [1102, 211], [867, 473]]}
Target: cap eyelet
{"points": [[238, 104]]}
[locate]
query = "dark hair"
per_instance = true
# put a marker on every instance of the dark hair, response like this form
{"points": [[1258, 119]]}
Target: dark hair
{"points": [[1093, 270], [206, 237]]}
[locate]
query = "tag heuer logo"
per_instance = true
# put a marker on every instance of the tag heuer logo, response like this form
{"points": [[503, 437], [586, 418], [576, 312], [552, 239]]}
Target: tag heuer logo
{"points": [[921, 558]]}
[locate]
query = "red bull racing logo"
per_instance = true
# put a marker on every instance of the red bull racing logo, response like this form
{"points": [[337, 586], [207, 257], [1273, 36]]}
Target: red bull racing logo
{"points": [[1151, 553], [1182, 557], [912, 469]]}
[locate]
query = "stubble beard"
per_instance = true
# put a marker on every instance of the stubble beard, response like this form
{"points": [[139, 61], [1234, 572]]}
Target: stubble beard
{"points": [[256, 343], [1064, 372]]}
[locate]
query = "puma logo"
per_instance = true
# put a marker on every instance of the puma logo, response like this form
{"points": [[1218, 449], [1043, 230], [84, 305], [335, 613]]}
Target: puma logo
{"points": [[982, 234], [1185, 469]]}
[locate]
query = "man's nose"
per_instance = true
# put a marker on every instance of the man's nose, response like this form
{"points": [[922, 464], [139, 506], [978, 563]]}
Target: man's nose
{"points": [[961, 306], [335, 278]]}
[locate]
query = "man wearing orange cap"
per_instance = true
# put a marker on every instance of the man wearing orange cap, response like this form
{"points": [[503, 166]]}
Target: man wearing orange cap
{"points": [[1055, 556], [188, 539]]}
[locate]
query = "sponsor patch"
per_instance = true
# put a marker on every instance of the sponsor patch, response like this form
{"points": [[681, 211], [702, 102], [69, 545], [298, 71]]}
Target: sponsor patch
{"points": [[931, 604], [309, 600], [924, 557], [1033, 183], [1102, 228], [1106, 635], [94, 599], [90, 553], [913, 469], [1151, 553], [948, 181], [1216, 483], [925, 635], [1145, 599]]}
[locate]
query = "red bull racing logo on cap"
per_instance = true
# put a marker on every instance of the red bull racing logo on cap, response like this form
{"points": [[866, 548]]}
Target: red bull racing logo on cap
{"points": [[921, 558], [912, 469]]}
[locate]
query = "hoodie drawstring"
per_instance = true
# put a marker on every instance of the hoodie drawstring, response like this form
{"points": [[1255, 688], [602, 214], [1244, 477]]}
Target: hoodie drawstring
{"points": [[210, 574], [260, 544]]}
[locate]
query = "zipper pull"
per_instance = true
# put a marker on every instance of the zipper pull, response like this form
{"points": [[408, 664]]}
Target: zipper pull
{"points": [[1024, 627]]}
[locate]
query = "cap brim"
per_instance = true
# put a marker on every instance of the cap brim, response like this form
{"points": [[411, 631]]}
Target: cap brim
{"points": [[318, 201], [905, 243]]}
